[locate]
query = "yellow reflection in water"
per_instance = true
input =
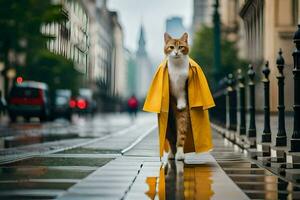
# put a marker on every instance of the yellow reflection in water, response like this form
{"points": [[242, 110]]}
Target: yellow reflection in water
{"points": [[151, 182], [198, 182], [176, 182]]}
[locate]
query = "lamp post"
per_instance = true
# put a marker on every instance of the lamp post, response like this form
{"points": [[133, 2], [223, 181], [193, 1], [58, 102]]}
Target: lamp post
{"points": [[217, 40], [10, 74], [1, 66], [1, 78]]}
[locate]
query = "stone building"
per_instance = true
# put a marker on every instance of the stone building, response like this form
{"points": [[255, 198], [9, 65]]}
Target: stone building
{"points": [[131, 73], [72, 37], [120, 67], [202, 14], [107, 74], [100, 46], [269, 25], [260, 28]]}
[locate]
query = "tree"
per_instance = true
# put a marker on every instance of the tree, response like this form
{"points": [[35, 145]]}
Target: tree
{"points": [[55, 70], [202, 51], [20, 32], [21, 22]]}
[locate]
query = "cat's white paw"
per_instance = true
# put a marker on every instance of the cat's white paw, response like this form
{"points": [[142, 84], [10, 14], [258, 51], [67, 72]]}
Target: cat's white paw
{"points": [[181, 104], [179, 154], [179, 167], [171, 155]]}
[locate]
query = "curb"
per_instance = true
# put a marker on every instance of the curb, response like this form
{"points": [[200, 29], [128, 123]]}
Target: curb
{"points": [[138, 140]]}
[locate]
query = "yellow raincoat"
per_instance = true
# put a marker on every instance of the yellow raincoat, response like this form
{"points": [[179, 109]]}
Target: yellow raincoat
{"points": [[200, 99]]}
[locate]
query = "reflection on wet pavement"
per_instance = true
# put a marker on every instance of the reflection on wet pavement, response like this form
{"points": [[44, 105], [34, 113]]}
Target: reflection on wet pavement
{"points": [[34, 132], [194, 182], [204, 180], [256, 182], [83, 126], [176, 182], [42, 172]]}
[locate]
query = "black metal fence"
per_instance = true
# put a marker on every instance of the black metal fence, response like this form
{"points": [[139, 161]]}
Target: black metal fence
{"points": [[230, 114]]}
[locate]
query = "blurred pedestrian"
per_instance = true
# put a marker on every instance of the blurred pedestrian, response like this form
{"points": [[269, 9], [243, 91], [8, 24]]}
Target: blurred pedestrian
{"points": [[133, 105]]}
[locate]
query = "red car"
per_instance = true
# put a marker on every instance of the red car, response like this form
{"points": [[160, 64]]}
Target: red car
{"points": [[29, 99]]}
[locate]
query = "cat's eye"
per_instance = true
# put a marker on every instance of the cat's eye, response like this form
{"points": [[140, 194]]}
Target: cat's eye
{"points": [[181, 47], [171, 47]]}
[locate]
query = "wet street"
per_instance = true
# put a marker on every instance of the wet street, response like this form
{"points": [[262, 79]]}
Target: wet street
{"points": [[113, 157]]}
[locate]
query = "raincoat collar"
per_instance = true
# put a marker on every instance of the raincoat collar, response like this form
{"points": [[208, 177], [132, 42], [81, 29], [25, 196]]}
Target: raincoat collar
{"points": [[199, 94]]}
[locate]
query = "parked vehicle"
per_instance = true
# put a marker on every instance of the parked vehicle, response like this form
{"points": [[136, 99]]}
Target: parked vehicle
{"points": [[62, 104], [85, 104], [29, 99]]}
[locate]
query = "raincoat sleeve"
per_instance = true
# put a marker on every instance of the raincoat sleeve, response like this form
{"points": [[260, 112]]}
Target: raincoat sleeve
{"points": [[154, 97], [199, 92]]}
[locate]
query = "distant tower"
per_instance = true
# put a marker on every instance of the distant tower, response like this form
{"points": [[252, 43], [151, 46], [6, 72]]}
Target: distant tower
{"points": [[144, 70], [142, 43]]}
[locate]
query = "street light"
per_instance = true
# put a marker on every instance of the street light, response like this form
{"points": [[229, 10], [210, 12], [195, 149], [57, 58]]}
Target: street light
{"points": [[217, 40], [1, 66], [10, 74]]}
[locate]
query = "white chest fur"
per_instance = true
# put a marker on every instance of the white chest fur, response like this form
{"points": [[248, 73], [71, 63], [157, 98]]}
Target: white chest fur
{"points": [[178, 72]]}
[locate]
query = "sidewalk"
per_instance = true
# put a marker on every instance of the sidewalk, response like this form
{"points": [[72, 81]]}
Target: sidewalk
{"points": [[90, 144], [139, 174]]}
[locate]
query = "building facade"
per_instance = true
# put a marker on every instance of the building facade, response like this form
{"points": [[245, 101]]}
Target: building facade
{"points": [[131, 73], [99, 60], [120, 67], [71, 38], [202, 14], [269, 25], [107, 74], [260, 28]]}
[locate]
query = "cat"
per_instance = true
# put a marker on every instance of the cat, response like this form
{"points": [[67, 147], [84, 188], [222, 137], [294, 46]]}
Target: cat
{"points": [[176, 51]]}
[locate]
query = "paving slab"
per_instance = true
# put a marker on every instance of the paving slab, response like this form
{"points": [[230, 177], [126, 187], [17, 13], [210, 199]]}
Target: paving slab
{"points": [[202, 178], [140, 174], [117, 176]]}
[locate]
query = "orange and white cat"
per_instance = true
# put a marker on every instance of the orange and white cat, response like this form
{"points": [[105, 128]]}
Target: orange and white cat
{"points": [[176, 51]]}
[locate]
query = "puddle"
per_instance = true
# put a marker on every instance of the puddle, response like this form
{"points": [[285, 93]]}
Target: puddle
{"points": [[180, 182], [61, 161], [82, 150], [26, 184], [21, 173], [29, 139]]}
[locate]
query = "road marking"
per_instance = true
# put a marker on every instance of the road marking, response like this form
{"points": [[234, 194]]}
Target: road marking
{"points": [[138, 140]]}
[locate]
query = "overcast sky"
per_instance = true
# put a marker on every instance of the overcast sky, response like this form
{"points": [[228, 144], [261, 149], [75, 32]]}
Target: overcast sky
{"points": [[153, 15]]}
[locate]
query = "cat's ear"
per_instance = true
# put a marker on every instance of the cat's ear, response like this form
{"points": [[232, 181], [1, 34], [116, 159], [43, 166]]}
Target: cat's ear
{"points": [[184, 37], [167, 37]]}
